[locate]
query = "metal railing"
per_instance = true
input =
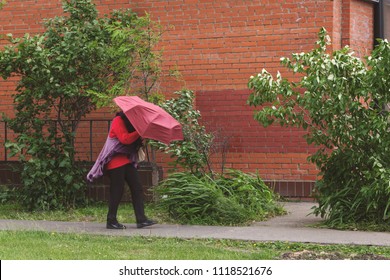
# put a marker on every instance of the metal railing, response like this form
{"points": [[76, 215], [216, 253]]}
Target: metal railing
{"points": [[88, 127]]}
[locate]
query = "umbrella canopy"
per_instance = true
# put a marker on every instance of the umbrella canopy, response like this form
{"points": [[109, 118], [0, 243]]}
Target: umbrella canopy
{"points": [[150, 120]]}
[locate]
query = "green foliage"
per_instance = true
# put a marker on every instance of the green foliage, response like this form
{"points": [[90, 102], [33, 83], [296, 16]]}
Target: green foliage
{"points": [[55, 68], [193, 153], [7, 194], [232, 199], [339, 101], [48, 184], [79, 62], [134, 64]]}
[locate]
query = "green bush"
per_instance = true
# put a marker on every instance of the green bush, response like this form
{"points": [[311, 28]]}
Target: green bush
{"points": [[232, 199], [7, 194], [56, 68], [80, 61], [49, 184], [340, 102], [193, 153]]}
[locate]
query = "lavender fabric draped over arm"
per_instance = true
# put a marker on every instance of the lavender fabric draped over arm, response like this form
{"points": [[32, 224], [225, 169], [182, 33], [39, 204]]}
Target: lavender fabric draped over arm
{"points": [[111, 147]]}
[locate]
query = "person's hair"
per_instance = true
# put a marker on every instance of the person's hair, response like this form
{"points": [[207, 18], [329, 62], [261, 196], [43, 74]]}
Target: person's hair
{"points": [[128, 124], [130, 128]]}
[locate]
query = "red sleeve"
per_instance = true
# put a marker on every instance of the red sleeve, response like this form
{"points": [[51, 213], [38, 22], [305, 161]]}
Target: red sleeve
{"points": [[118, 130]]}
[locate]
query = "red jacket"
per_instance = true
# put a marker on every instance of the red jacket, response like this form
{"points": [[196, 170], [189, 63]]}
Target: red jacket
{"points": [[118, 130]]}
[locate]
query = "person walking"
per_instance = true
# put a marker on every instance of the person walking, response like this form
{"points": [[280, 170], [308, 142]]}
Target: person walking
{"points": [[118, 159]]}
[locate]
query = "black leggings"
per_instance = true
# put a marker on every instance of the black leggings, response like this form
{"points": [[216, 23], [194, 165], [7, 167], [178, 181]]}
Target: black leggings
{"points": [[118, 176]]}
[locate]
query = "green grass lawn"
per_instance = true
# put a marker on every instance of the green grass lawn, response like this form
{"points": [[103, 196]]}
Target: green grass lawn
{"points": [[35, 245], [43, 245], [95, 212]]}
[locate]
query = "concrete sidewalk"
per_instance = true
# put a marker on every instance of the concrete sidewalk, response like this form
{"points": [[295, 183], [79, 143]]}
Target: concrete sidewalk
{"points": [[293, 227]]}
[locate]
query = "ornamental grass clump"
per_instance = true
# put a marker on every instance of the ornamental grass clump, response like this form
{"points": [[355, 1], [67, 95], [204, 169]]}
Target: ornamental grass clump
{"points": [[234, 198]]}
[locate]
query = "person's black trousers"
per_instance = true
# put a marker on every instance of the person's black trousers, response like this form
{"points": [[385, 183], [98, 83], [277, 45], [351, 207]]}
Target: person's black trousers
{"points": [[118, 176]]}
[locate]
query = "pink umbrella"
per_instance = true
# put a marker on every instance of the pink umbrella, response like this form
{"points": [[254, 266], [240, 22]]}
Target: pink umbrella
{"points": [[150, 120]]}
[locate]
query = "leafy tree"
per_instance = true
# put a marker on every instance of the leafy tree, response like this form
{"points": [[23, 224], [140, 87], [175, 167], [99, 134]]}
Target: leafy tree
{"points": [[192, 154], [55, 69], [339, 101], [134, 66], [61, 71]]}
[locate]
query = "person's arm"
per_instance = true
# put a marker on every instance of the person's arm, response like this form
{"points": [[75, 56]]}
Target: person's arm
{"points": [[118, 130]]}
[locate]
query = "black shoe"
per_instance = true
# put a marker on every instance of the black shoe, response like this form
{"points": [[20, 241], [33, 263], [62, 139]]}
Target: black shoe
{"points": [[115, 225], [146, 223]]}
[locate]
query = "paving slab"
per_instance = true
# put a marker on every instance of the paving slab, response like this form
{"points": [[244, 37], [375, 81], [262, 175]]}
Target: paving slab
{"points": [[296, 226]]}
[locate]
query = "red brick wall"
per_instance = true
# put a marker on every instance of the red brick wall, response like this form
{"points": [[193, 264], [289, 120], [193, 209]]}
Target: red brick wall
{"points": [[219, 45], [337, 24], [216, 46], [356, 20], [277, 153], [361, 21]]}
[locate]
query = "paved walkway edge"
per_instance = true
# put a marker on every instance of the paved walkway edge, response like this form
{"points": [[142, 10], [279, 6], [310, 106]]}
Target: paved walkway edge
{"points": [[294, 227]]}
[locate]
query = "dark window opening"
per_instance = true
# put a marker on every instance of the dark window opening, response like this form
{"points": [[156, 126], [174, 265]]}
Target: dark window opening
{"points": [[381, 20]]}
